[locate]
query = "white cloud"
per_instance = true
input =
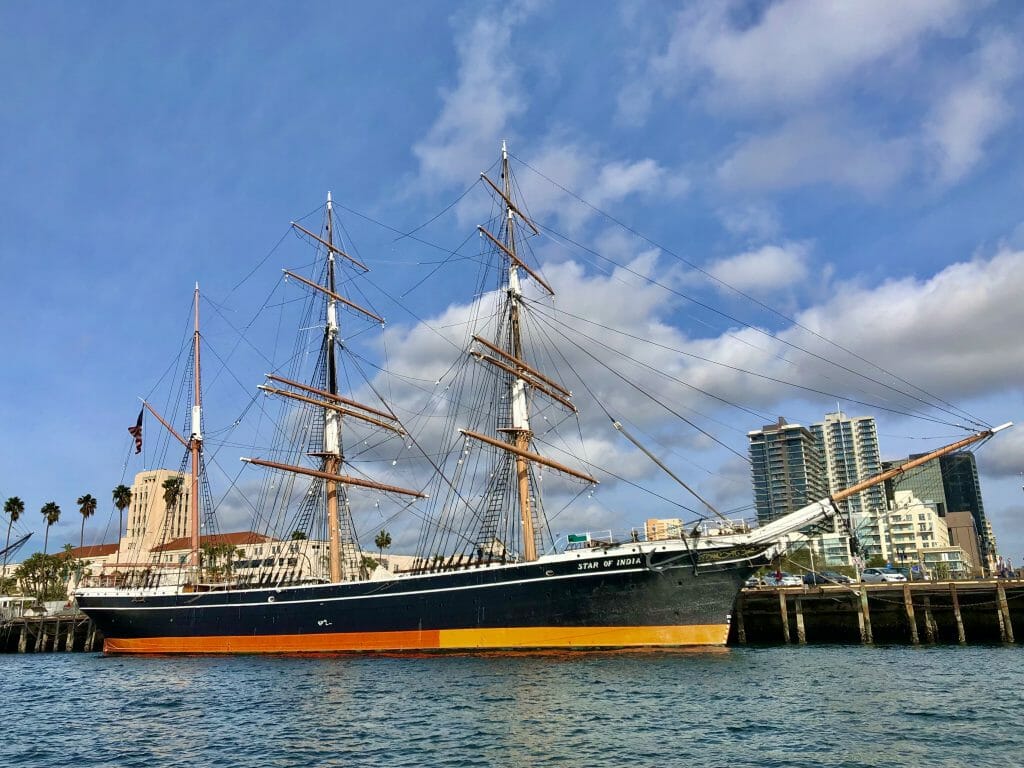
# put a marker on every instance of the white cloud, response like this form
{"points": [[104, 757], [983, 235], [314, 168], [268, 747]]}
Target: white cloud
{"points": [[481, 110], [1004, 457], [796, 51], [973, 110], [816, 150], [618, 180], [755, 220], [602, 184], [568, 164], [768, 268], [477, 112], [956, 334], [823, 67]]}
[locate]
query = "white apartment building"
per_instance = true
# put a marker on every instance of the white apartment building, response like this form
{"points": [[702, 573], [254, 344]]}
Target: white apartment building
{"points": [[850, 449]]}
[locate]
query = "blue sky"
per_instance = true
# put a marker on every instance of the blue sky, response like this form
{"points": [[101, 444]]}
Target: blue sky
{"points": [[855, 166]]}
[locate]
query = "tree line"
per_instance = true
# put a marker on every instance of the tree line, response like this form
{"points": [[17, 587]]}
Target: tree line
{"points": [[43, 574]]}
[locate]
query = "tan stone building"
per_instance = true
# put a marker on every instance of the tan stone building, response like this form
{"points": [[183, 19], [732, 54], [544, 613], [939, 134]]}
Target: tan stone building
{"points": [[150, 522], [963, 533], [657, 529], [157, 542]]}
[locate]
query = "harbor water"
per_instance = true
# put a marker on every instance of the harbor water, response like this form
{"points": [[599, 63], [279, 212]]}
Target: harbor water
{"points": [[782, 706]]}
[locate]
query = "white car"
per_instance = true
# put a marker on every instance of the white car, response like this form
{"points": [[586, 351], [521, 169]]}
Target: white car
{"points": [[881, 575], [783, 580]]}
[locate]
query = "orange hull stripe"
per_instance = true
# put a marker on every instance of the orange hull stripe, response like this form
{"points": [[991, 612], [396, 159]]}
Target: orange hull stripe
{"points": [[585, 637], [429, 640]]}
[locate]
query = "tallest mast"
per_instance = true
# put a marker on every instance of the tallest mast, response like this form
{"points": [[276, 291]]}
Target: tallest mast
{"points": [[520, 429], [344, 555], [332, 425], [506, 355], [196, 438]]}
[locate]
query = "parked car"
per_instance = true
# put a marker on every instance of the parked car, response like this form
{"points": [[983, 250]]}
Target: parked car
{"points": [[825, 577], [782, 580], [838, 578], [753, 581], [881, 575]]}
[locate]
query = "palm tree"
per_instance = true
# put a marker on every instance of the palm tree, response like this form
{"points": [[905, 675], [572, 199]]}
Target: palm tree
{"points": [[51, 512], [122, 500], [172, 491], [383, 541], [87, 506], [13, 507]]}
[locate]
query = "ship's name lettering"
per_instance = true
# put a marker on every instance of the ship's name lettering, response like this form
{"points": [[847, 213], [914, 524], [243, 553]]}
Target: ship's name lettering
{"points": [[620, 562]]}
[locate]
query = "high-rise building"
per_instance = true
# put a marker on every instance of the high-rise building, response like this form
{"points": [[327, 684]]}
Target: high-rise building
{"points": [[925, 482], [963, 494], [787, 469], [951, 483], [849, 447]]}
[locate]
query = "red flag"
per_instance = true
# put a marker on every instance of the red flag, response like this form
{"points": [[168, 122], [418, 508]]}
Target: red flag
{"points": [[136, 432]]}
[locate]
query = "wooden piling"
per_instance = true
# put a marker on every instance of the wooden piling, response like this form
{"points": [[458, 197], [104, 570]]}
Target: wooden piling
{"points": [[23, 638], [1005, 623], [741, 630], [69, 642], [961, 637], [801, 635], [852, 613], [785, 617], [864, 617], [930, 627], [908, 604]]}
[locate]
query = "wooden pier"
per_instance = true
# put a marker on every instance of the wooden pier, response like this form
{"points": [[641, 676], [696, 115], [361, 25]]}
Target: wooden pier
{"points": [[63, 632], [951, 612]]}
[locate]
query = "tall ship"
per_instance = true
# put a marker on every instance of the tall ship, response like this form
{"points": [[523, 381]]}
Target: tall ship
{"points": [[489, 573]]}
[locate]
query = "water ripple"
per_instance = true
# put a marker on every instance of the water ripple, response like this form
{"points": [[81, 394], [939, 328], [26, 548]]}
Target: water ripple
{"points": [[825, 707]]}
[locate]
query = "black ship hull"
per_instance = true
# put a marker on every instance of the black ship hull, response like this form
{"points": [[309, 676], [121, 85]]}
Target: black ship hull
{"points": [[612, 599]]}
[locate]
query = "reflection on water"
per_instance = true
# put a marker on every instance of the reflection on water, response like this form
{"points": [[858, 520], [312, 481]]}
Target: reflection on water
{"points": [[812, 706]]}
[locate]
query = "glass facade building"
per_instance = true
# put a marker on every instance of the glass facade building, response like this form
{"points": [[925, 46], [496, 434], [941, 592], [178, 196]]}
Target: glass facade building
{"points": [[787, 469], [925, 482], [963, 494]]}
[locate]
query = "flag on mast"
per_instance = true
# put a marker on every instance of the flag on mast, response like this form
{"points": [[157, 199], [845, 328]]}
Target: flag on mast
{"points": [[136, 432]]}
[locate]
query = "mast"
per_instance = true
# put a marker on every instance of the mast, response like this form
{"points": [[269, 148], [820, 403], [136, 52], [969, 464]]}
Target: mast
{"points": [[520, 430], [332, 420], [343, 546], [195, 441], [506, 354]]}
